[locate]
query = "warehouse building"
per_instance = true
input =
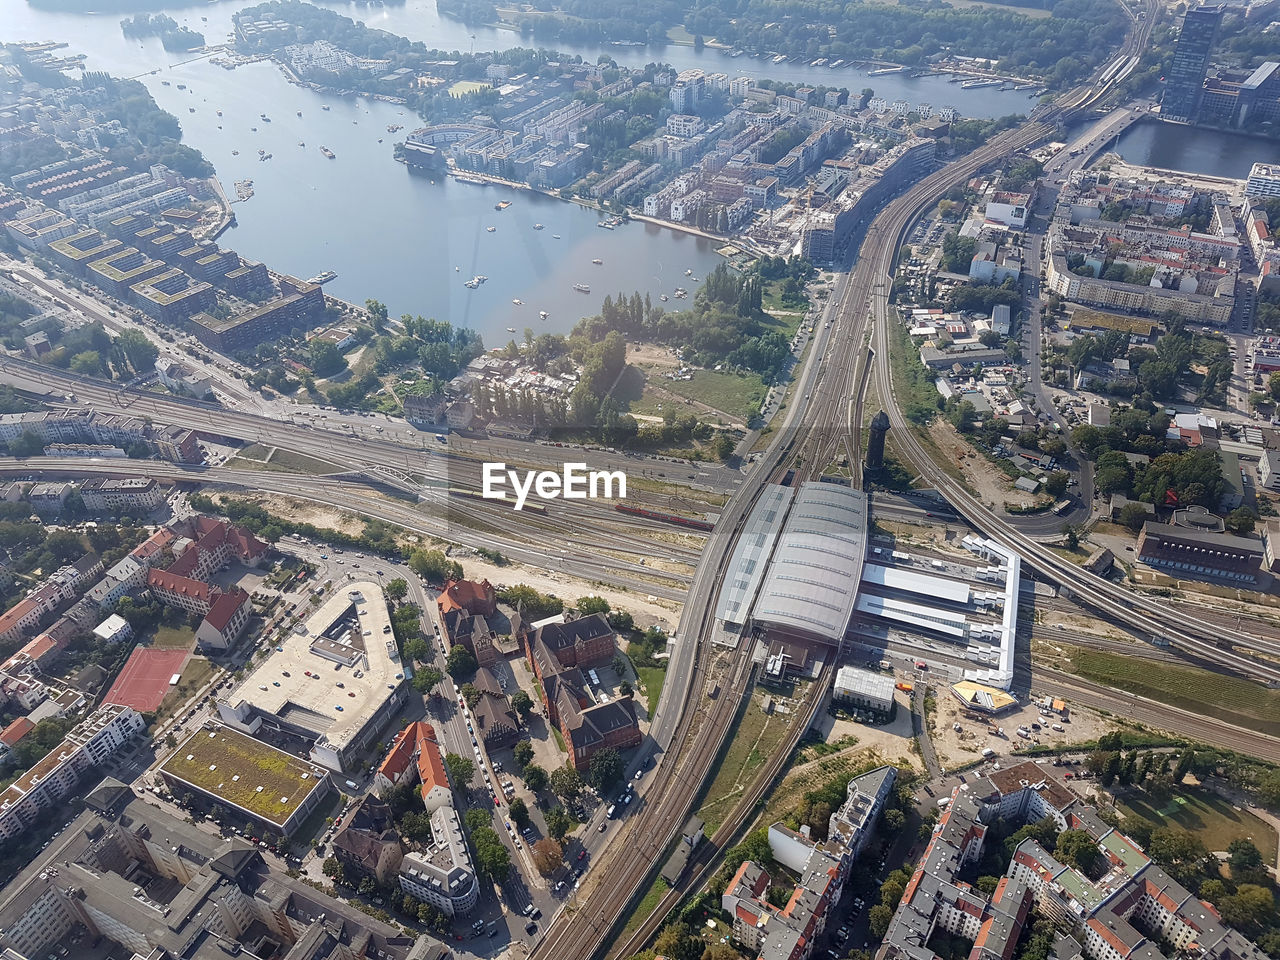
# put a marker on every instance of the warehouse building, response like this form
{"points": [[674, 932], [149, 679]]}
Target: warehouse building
{"points": [[864, 688], [1189, 551]]}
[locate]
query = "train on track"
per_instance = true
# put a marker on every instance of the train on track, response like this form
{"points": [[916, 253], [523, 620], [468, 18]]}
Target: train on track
{"points": [[665, 517], [477, 495]]}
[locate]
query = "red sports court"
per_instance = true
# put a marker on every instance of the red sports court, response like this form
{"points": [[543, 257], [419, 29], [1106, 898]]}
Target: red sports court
{"points": [[144, 680]]}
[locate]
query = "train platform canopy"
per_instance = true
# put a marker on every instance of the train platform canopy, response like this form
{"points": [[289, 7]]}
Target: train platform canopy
{"points": [[978, 696], [812, 582], [918, 583], [751, 555]]}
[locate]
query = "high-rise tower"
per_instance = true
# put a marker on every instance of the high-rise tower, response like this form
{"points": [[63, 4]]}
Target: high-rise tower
{"points": [[1185, 81]]}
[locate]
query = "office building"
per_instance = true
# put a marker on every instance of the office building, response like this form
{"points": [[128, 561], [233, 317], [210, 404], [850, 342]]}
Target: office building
{"points": [[1264, 180], [1184, 82]]}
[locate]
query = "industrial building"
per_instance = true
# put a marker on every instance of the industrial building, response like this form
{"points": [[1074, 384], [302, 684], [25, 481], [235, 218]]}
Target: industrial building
{"points": [[864, 688], [1191, 551], [335, 682]]}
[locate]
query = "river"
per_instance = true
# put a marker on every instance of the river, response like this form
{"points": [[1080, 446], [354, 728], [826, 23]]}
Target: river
{"points": [[1215, 153], [405, 239]]}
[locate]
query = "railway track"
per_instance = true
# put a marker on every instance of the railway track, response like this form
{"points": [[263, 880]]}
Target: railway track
{"points": [[706, 857]]}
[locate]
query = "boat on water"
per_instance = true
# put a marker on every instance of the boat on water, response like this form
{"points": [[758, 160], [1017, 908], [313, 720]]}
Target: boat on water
{"points": [[597, 261], [502, 204], [555, 236], [542, 314], [664, 298], [457, 269], [688, 272], [219, 113], [261, 151], [182, 86], [324, 277], [884, 71], [490, 229], [537, 226], [299, 113], [518, 302], [511, 329], [164, 83], [191, 109], [582, 288], [327, 152], [324, 106], [302, 143], [264, 118], [235, 153]]}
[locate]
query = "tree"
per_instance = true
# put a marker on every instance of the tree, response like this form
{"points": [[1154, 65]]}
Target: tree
{"points": [[535, 778], [415, 649], [138, 350], [471, 694], [677, 942], [1134, 515], [878, 917], [559, 822], [1056, 484], [1269, 788], [425, 680], [606, 769], [332, 869], [1070, 536], [1179, 852], [434, 566], [461, 770], [1273, 385], [27, 445], [1077, 849], [461, 663], [987, 884], [548, 856], [1248, 908], [1241, 520], [88, 363], [522, 753], [377, 312], [1243, 855], [326, 358], [894, 819], [591, 604], [566, 782], [492, 857], [518, 810], [523, 704], [398, 588]]}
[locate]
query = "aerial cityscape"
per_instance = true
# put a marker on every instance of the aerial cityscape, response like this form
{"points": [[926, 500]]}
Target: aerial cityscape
{"points": [[563, 481]]}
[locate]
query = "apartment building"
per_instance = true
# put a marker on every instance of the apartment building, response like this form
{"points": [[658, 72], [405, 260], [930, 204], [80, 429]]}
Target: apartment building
{"points": [[111, 495], [89, 744], [154, 885]]}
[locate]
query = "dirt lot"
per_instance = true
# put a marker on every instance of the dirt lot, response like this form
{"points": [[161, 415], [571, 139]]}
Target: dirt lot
{"points": [[892, 741], [651, 356], [956, 748], [990, 484], [646, 611], [304, 511]]}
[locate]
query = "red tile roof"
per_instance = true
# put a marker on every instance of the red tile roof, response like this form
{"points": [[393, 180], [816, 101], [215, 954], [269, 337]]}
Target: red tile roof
{"points": [[9, 619], [165, 580], [465, 595], [225, 607], [15, 731]]}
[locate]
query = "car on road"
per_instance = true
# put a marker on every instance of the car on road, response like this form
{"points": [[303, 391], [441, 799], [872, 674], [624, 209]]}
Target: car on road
{"points": [[582, 854], [531, 928]]}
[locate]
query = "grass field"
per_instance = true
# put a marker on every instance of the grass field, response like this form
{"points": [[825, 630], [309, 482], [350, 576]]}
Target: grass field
{"points": [[1211, 818], [1231, 699], [754, 739], [652, 678], [172, 638], [463, 87], [646, 905], [195, 675], [731, 394]]}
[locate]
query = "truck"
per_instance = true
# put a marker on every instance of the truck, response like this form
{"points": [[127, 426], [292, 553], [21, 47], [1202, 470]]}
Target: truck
{"points": [[988, 753], [1062, 506]]}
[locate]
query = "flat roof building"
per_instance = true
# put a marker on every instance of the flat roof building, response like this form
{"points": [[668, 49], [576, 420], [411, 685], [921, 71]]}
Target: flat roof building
{"points": [[864, 688], [347, 641], [224, 767], [751, 555], [1199, 553]]}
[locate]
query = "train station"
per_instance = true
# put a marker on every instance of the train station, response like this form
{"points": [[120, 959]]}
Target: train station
{"points": [[809, 583]]}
